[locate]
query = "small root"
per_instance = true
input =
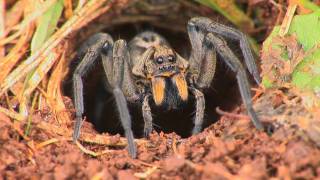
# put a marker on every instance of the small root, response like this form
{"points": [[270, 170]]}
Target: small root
{"points": [[92, 153], [147, 173], [242, 116]]}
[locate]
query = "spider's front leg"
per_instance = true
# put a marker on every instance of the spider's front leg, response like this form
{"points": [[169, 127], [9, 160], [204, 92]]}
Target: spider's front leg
{"points": [[207, 25], [233, 62], [115, 58], [147, 116], [202, 68], [204, 41], [146, 109], [90, 51], [200, 106]]}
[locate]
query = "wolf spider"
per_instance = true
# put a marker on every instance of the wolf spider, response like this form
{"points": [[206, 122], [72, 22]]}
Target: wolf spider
{"points": [[148, 69]]}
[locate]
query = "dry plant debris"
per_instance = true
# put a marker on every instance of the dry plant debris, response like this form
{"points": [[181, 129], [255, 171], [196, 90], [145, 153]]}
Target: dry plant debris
{"points": [[35, 68]]}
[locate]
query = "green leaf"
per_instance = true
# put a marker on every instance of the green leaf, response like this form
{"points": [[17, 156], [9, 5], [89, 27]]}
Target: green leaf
{"points": [[46, 25], [266, 82], [307, 28], [306, 74], [310, 5], [231, 11], [234, 14]]}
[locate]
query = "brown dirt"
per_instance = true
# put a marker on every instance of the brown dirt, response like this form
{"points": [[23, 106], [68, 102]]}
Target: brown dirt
{"points": [[229, 149]]}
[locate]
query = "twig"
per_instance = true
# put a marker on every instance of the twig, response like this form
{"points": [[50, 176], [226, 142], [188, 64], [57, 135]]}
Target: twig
{"points": [[284, 28], [147, 173], [12, 114], [258, 93], [174, 145], [241, 116], [144, 163], [232, 115], [2, 25], [47, 142], [86, 137], [92, 153]]}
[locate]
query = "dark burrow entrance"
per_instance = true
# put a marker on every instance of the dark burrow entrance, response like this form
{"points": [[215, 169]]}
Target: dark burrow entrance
{"points": [[100, 108]]}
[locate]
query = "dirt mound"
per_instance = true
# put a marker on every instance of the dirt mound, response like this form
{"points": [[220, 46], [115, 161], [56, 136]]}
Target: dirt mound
{"points": [[230, 149]]}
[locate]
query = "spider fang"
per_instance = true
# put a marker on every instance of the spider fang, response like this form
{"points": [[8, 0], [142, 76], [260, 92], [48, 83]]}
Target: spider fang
{"points": [[158, 87], [181, 84]]}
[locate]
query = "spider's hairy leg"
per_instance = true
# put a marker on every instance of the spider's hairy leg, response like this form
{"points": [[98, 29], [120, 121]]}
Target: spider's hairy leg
{"points": [[202, 60], [138, 70], [207, 25], [234, 63], [115, 57], [147, 116], [92, 50], [200, 106], [118, 76], [119, 50]]}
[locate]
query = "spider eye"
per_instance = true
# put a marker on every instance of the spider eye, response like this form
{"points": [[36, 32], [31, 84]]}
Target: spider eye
{"points": [[159, 60], [105, 47], [172, 59]]}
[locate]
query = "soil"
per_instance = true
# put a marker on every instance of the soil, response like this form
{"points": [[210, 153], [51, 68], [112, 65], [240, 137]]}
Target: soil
{"points": [[229, 149]]}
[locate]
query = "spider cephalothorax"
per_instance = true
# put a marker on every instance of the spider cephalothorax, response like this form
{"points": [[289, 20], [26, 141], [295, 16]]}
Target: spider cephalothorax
{"points": [[148, 69], [166, 72]]}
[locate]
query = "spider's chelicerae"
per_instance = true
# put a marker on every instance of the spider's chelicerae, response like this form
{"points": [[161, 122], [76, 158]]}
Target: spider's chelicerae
{"points": [[148, 69]]}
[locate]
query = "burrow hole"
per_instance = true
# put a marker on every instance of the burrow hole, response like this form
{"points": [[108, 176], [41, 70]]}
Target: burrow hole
{"points": [[100, 108]]}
